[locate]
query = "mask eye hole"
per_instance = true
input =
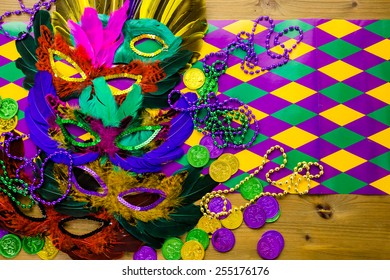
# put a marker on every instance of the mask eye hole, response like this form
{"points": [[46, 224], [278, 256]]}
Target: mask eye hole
{"points": [[122, 83], [141, 199], [88, 182], [136, 138], [148, 45], [82, 227], [66, 68], [78, 134]]}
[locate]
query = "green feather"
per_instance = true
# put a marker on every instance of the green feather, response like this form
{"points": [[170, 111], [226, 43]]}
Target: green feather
{"points": [[42, 17], [181, 221], [100, 105], [173, 64], [132, 103], [50, 191], [158, 101], [195, 187], [143, 236], [27, 49]]}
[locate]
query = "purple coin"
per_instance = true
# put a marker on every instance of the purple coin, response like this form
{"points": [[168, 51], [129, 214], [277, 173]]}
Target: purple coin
{"points": [[145, 253], [208, 142], [3, 232], [254, 216], [223, 240], [270, 206], [276, 234], [270, 245], [216, 206]]}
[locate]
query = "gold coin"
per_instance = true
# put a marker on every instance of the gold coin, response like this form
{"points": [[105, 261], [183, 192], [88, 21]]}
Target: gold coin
{"points": [[234, 220], [231, 160], [192, 250], [194, 78], [220, 171], [8, 125], [49, 252], [209, 224]]}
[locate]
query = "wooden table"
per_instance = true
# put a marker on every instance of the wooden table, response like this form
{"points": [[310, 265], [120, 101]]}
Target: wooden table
{"points": [[314, 227]]}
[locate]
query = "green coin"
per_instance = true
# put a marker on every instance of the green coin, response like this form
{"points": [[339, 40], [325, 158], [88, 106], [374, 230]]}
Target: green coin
{"points": [[275, 218], [10, 246], [251, 188], [171, 248], [198, 156], [8, 108], [199, 235], [32, 244]]}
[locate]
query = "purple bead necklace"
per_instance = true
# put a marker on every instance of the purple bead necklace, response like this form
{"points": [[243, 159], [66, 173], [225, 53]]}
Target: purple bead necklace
{"points": [[45, 4]]}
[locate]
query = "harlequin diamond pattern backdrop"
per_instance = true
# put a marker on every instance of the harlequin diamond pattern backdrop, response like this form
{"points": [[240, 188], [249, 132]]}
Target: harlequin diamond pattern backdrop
{"points": [[330, 103]]}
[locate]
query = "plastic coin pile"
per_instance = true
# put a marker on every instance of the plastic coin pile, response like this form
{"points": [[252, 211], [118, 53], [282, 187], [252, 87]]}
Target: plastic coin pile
{"points": [[234, 219], [223, 240], [199, 235], [209, 224], [216, 205], [192, 250], [8, 108], [224, 167], [32, 244], [49, 252], [270, 245], [208, 142], [271, 208]]}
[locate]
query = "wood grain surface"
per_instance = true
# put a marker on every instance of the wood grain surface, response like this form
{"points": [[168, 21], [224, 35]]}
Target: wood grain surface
{"points": [[314, 227]]}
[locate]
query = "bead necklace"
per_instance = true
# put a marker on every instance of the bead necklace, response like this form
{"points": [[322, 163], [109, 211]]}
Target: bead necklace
{"points": [[229, 121], [45, 4], [293, 182]]}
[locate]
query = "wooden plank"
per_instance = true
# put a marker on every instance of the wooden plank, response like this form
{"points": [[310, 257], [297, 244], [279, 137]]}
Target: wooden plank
{"points": [[314, 227]]}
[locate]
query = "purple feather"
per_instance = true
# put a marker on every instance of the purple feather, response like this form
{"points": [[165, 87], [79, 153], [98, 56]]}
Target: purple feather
{"points": [[134, 6]]}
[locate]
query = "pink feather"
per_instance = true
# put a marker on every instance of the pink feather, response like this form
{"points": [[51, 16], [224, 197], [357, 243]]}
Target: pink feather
{"points": [[100, 43], [81, 39]]}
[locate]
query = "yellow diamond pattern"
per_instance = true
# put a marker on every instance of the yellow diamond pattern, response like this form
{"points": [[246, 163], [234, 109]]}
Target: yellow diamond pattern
{"points": [[382, 184], [259, 114], [236, 72], [343, 160], [382, 93], [294, 137], [340, 70], [13, 91], [299, 51], [341, 114], [194, 138], [248, 160], [9, 51], [206, 49], [382, 137], [241, 25], [293, 92], [302, 186], [381, 49], [339, 27]]}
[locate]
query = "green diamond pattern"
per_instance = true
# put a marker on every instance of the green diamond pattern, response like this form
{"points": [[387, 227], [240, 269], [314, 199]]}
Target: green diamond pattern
{"points": [[343, 183], [380, 27], [381, 71], [382, 161], [341, 92], [293, 22], [382, 115], [339, 49], [241, 54], [260, 137], [342, 137], [10, 73], [245, 92], [293, 114], [211, 28], [293, 70], [294, 156]]}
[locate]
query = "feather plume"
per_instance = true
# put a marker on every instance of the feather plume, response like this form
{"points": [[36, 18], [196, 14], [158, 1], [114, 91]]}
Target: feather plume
{"points": [[42, 17], [100, 105], [132, 103]]}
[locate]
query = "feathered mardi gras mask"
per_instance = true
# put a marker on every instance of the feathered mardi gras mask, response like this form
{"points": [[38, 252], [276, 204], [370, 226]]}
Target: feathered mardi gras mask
{"points": [[99, 74]]}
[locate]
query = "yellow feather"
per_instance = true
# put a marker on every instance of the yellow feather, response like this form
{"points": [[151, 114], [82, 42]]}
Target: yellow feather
{"points": [[170, 8]]}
